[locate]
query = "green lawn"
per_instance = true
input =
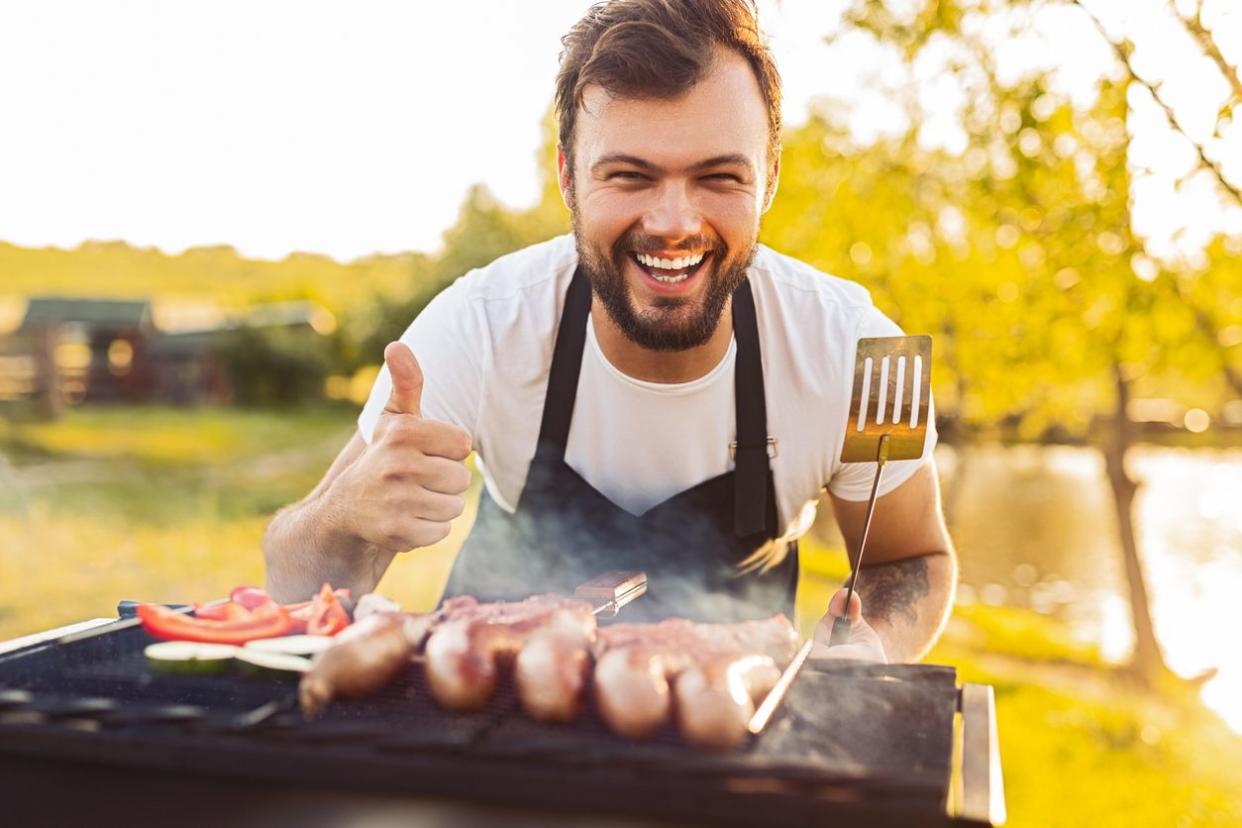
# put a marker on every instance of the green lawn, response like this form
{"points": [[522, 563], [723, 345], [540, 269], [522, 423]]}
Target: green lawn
{"points": [[170, 505]]}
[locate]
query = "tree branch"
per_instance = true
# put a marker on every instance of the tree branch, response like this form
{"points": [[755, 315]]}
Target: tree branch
{"points": [[1194, 25], [1123, 51]]}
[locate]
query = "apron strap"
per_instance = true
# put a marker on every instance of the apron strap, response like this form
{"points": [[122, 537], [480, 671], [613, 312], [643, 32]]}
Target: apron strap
{"points": [[750, 478], [558, 405]]}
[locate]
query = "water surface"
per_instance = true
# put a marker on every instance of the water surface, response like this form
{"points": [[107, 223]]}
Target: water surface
{"points": [[1035, 527]]}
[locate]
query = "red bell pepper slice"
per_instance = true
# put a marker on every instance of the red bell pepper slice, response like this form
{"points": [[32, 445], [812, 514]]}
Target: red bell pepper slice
{"points": [[327, 616], [250, 597], [169, 625], [223, 611]]}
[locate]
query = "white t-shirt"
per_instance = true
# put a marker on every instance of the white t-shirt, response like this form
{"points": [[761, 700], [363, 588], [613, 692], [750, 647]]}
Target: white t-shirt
{"points": [[485, 348]]}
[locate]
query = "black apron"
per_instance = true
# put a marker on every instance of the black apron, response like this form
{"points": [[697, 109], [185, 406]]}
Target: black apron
{"points": [[564, 532]]}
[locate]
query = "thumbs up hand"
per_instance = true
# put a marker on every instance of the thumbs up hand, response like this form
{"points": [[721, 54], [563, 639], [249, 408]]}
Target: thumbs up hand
{"points": [[407, 380], [406, 487]]}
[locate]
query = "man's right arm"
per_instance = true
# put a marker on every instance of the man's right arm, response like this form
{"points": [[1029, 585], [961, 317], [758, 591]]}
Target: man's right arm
{"points": [[397, 493]]}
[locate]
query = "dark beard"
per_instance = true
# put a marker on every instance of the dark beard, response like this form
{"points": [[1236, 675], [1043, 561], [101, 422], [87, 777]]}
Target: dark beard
{"points": [[672, 324]]}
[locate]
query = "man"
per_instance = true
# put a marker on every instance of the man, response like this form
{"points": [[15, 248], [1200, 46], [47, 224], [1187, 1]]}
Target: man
{"points": [[654, 392]]}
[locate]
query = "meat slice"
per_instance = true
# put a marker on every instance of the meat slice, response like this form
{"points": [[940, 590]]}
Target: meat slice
{"points": [[468, 650], [717, 673]]}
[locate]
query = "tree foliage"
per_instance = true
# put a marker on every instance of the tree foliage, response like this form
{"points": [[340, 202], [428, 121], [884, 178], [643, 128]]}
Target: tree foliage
{"points": [[1017, 249]]}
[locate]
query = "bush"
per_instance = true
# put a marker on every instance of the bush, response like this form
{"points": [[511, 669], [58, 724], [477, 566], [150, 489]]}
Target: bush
{"points": [[277, 366]]}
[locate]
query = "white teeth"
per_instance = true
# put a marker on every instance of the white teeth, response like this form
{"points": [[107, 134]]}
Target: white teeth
{"points": [[670, 264], [672, 280]]}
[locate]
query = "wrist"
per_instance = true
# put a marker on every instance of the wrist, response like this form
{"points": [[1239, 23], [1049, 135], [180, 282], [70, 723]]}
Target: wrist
{"points": [[335, 532]]}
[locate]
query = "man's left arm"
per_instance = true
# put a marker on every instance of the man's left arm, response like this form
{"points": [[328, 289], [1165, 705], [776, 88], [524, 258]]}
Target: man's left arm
{"points": [[908, 575]]}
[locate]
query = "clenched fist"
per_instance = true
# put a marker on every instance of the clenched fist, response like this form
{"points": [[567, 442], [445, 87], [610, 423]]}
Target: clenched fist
{"points": [[864, 643], [406, 486]]}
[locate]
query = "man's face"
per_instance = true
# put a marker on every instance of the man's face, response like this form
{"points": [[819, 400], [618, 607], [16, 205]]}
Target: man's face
{"points": [[666, 197]]}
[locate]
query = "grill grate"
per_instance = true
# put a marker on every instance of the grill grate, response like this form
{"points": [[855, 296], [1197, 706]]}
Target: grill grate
{"points": [[881, 732]]}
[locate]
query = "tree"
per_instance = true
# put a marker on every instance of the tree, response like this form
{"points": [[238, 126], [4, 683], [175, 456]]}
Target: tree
{"points": [[1016, 249]]}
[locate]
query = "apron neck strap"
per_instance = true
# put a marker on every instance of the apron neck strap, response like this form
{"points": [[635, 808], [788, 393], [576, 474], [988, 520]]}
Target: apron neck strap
{"points": [[558, 405], [750, 477]]}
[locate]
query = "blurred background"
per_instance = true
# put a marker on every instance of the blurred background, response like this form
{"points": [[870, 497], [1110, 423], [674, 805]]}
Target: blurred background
{"points": [[213, 216]]}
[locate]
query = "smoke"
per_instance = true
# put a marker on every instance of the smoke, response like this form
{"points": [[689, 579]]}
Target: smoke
{"points": [[544, 549]]}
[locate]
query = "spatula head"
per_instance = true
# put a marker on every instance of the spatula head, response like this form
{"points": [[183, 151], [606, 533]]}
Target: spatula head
{"points": [[892, 387]]}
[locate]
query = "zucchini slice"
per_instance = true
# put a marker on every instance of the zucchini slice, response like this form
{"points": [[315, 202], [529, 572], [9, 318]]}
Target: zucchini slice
{"points": [[272, 665], [190, 657], [295, 645]]}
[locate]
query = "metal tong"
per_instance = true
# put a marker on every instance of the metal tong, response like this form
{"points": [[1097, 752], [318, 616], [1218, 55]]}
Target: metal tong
{"points": [[609, 592]]}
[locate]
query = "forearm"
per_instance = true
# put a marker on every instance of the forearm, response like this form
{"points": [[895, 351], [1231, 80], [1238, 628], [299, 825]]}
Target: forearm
{"points": [[907, 602], [305, 546]]}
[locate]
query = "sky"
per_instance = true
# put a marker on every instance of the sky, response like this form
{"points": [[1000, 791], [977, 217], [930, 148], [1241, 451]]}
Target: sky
{"points": [[356, 128]]}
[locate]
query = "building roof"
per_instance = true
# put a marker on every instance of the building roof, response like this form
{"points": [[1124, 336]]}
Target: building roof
{"points": [[42, 311]]}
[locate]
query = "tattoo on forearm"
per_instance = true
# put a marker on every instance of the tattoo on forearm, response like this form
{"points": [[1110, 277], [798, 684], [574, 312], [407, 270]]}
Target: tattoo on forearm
{"points": [[891, 589]]}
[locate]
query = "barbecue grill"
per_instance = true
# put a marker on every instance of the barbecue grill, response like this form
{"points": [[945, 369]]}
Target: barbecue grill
{"points": [[87, 730]]}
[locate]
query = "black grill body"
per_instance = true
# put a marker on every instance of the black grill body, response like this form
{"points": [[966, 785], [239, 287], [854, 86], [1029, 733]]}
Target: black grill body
{"points": [[852, 744]]}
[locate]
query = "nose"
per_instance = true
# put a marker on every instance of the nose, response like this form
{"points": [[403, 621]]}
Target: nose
{"points": [[674, 215]]}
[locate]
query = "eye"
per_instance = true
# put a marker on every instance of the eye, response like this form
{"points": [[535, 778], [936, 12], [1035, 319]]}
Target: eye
{"points": [[627, 175], [725, 177]]}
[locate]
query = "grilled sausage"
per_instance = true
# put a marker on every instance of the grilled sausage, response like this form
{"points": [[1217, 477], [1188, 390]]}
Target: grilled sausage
{"points": [[632, 692], [716, 697], [551, 669], [367, 660], [461, 664], [467, 653], [718, 672]]}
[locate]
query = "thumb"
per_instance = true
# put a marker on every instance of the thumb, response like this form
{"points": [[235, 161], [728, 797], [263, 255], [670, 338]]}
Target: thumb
{"points": [[836, 607], [407, 380]]}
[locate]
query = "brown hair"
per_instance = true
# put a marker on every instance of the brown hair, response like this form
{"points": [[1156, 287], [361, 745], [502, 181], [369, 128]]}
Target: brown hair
{"points": [[659, 49]]}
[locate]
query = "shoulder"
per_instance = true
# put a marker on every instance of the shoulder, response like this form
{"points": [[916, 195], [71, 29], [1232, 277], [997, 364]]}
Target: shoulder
{"points": [[522, 274], [794, 292]]}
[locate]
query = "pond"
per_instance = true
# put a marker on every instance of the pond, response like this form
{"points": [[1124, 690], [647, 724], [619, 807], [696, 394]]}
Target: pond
{"points": [[1035, 528]]}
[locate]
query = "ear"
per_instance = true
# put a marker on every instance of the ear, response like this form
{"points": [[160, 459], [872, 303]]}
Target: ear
{"points": [[564, 176], [774, 178]]}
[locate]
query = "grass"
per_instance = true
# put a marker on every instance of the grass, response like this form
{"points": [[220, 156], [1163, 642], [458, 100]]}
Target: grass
{"points": [[170, 505]]}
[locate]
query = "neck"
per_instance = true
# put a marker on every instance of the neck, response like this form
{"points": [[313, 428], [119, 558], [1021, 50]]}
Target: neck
{"points": [[641, 363]]}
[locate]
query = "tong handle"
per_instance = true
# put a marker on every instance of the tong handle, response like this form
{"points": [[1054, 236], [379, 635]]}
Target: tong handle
{"points": [[613, 590], [128, 607], [841, 626]]}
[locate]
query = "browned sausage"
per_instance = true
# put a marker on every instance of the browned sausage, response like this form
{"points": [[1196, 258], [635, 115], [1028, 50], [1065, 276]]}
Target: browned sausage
{"points": [[551, 669], [466, 653], [367, 660], [462, 666], [631, 689], [716, 697]]}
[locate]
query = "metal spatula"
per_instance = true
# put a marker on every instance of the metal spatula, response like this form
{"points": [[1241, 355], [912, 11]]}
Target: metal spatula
{"points": [[888, 421]]}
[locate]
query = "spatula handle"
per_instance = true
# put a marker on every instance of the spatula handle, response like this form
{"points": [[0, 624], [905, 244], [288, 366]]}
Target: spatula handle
{"points": [[841, 628]]}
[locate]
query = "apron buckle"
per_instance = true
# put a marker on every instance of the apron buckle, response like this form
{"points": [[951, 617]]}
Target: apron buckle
{"points": [[770, 445]]}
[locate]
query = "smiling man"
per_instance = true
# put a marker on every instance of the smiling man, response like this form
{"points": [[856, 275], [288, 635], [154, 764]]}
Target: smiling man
{"points": [[656, 391]]}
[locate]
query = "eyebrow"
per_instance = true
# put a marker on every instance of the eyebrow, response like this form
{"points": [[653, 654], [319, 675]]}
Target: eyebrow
{"points": [[633, 160]]}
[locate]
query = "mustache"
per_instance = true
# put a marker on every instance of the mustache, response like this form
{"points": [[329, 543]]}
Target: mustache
{"points": [[635, 242]]}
